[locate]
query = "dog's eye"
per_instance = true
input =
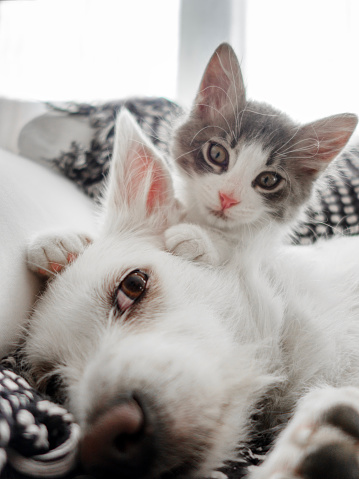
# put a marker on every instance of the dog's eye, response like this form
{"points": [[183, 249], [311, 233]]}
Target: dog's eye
{"points": [[131, 289]]}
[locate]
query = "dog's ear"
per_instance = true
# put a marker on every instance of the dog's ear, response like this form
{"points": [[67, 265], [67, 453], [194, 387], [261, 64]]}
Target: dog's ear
{"points": [[139, 187]]}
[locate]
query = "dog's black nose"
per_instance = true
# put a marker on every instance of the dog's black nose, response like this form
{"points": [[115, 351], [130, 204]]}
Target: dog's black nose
{"points": [[119, 443]]}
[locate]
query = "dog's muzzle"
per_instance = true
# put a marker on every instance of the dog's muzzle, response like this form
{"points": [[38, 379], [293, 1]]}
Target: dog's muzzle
{"points": [[131, 440], [119, 443]]}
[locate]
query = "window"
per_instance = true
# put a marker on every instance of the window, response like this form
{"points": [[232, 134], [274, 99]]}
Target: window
{"points": [[88, 49], [298, 55], [302, 55]]}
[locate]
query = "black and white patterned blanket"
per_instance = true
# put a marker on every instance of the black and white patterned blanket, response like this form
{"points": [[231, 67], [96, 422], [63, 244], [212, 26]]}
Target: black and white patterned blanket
{"points": [[38, 438]]}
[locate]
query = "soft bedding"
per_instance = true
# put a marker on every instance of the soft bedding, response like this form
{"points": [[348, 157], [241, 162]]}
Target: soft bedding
{"points": [[38, 438]]}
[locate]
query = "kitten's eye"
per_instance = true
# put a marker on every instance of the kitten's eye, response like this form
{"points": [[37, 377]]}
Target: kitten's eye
{"points": [[131, 289], [217, 154], [268, 180]]}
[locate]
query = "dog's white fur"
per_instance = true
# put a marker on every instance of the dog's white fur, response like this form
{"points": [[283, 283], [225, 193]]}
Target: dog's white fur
{"points": [[207, 345]]}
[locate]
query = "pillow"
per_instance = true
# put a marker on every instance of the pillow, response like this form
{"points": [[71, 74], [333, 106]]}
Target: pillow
{"points": [[32, 199], [77, 139], [14, 114]]}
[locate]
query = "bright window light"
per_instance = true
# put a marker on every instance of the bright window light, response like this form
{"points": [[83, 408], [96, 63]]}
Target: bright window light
{"points": [[88, 49], [302, 55]]}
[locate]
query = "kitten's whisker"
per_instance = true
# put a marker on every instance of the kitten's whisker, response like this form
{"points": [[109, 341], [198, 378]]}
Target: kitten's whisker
{"points": [[186, 153], [216, 110], [315, 234], [229, 100], [262, 114], [315, 142], [291, 148], [153, 135], [303, 150], [208, 126], [305, 157], [335, 227], [279, 167], [270, 136], [150, 128], [290, 139], [242, 112], [139, 142], [234, 82]]}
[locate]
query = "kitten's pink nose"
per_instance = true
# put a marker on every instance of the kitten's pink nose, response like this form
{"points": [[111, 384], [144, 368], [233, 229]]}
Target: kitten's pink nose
{"points": [[227, 201]]}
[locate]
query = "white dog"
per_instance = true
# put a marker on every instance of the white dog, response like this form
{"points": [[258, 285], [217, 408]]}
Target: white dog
{"points": [[164, 362]]}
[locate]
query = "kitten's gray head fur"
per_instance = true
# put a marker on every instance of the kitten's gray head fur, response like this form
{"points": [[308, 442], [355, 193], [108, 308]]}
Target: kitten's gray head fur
{"points": [[244, 162]]}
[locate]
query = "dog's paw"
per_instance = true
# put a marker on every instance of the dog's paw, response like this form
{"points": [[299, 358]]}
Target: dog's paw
{"points": [[191, 242], [48, 254], [321, 441]]}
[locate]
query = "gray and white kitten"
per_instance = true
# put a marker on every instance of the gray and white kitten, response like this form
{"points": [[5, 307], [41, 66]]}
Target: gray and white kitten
{"points": [[247, 169]]}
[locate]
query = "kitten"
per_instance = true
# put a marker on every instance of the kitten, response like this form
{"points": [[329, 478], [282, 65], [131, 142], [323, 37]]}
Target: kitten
{"points": [[248, 170]]}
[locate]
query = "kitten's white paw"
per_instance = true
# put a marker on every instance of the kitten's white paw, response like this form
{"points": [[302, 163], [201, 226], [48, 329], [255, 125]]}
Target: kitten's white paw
{"points": [[48, 254], [191, 242]]}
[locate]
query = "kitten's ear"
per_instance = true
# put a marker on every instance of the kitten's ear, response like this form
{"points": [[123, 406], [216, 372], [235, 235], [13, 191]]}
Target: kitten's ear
{"points": [[222, 84], [139, 185], [316, 144]]}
